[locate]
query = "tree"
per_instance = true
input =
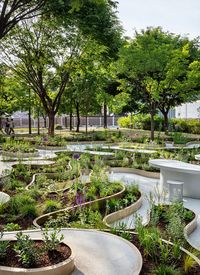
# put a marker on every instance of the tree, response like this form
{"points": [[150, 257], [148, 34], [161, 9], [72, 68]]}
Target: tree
{"points": [[14, 11], [42, 56], [155, 65], [85, 78]]}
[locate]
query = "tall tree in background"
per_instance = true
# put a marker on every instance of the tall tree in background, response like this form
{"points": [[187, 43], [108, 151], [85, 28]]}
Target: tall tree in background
{"points": [[42, 56], [14, 11], [155, 65]]}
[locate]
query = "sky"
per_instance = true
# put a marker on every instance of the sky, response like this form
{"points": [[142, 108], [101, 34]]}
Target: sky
{"points": [[176, 16]]}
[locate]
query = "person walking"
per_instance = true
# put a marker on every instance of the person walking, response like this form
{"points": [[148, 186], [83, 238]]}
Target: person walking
{"points": [[11, 128], [7, 126]]}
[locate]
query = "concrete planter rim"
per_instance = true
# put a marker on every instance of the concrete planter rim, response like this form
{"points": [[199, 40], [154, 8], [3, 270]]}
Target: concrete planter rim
{"points": [[40, 270], [137, 204]]}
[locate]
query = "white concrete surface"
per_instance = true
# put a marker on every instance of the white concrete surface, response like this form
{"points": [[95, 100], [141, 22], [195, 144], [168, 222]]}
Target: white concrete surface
{"points": [[97, 253], [179, 171]]}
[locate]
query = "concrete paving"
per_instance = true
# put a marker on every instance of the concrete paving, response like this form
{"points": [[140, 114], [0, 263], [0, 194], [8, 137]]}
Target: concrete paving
{"points": [[97, 253]]}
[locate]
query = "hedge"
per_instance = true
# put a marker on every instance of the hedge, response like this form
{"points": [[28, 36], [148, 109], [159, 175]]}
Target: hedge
{"points": [[142, 121]]}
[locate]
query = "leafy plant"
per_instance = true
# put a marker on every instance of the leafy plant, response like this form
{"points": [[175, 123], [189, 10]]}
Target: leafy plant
{"points": [[12, 227], [3, 246], [51, 205], [166, 270], [51, 238], [25, 250], [189, 262]]}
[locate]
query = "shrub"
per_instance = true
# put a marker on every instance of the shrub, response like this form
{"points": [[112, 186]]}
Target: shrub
{"points": [[166, 270], [25, 250], [51, 239], [51, 206], [3, 246], [12, 227], [140, 121], [29, 211]]}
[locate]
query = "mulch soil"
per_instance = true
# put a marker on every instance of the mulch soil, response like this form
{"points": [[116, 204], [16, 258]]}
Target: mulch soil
{"points": [[62, 253], [149, 265]]}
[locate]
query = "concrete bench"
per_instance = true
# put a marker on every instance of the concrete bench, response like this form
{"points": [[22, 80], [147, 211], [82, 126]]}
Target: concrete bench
{"points": [[174, 170]]}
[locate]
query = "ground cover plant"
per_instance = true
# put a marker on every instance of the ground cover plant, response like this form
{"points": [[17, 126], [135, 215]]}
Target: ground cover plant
{"points": [[17, 147], [160, 257]]}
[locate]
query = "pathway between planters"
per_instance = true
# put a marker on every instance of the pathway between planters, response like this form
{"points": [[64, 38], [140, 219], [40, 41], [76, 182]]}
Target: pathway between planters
{"points": [[97, 253], [147, 186]]}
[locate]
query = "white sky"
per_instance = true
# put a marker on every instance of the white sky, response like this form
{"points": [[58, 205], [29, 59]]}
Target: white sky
{"points": [[177, 16]]}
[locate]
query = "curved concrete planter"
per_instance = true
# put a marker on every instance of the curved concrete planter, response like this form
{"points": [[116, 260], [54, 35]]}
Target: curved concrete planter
{"points": [[139, 172], [49, 176], [38, 222], [46, 147], [63, 268], [19, 154], [118, 215], [189, 228]]}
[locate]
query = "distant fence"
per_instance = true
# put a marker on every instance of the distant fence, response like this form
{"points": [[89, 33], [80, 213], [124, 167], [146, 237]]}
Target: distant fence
{"points": [[96, 121]]}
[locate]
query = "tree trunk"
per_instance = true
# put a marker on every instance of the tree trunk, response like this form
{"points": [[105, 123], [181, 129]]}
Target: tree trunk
{"points": [[70, 121], [86, 124], [131, 120], [78, 118], [51, 116], [29, 121], [65, 121], [152, 125], [105, 116], [45, 121], [166, 122], [38, 120]]}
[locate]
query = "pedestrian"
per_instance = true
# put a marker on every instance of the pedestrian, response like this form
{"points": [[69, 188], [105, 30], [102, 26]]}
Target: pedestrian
{"points": [[7, 126], [12, 126]]}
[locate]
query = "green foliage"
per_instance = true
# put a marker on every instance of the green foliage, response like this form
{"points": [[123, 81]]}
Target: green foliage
{"points": [[11, 184], [3, 246], [122, 231], [179, 138], [128, 198], [166, 270], [51, 206], [140, 121], [18, 147], [189, 262], [51, 238], [25, 250], [22, 204], [12, 227], [29, 211]]}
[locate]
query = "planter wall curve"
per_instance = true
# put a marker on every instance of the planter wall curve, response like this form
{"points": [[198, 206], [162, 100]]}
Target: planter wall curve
{"points": [[139, 172], [38, 222], [19, 154], [118, 215]]}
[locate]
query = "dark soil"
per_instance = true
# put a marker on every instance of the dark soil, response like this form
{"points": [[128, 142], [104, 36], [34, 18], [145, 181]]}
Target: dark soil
{"points": [[62, 253], [149, 265]]}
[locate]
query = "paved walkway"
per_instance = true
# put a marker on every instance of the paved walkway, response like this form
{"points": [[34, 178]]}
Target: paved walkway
{"points": [[98, 253]]}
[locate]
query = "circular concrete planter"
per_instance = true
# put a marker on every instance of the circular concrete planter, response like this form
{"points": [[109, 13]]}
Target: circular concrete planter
{"points": [[96, 204], [118, 215], [63, 268]]}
